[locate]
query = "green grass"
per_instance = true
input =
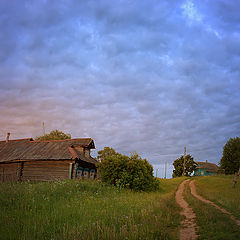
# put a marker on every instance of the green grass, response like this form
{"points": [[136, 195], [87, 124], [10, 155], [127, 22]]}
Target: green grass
{"points": [[87, 210], [219, 190], [212, 224]]}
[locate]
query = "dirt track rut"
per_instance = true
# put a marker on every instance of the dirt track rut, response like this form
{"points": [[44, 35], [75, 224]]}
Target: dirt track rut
{"points": [[188, 225], [194, 193]]}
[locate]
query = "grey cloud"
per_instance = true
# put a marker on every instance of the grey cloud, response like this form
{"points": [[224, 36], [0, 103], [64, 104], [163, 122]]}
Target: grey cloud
{"points": [[136, 77]]}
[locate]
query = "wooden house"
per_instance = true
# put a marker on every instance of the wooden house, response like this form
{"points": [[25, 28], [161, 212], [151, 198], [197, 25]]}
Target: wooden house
{"points": [[206, 169], [26, 159]]}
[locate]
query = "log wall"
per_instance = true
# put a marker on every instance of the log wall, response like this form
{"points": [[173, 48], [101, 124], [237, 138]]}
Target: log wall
{"points": [[45, 170], [10, 172], [39, 170]]}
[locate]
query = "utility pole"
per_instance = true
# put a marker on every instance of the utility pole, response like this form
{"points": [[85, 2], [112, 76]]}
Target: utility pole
{"points": [[156, 172], [43, 129], [184, 163], [165, 169]]}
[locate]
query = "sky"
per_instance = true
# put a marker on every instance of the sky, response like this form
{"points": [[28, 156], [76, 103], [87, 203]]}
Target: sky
{"points": [[135, 75]]}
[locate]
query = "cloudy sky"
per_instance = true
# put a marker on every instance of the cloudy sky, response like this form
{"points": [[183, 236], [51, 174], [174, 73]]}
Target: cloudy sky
{"points": [[145, 75]]}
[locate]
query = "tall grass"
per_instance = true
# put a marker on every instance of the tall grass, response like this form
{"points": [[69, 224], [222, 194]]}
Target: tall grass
{"points": [[87, 210], [212, 224], [219, 190]]}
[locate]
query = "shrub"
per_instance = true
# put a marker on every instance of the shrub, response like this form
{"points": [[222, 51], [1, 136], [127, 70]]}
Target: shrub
{"points": [[128, 172]]}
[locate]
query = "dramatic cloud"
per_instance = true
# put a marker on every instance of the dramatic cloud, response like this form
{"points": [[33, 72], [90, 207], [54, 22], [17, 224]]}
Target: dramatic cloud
{"points": [[146, 75]]}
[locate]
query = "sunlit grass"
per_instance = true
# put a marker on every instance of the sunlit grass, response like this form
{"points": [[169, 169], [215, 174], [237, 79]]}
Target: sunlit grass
{"points": [[87, 210], [219, 190]]}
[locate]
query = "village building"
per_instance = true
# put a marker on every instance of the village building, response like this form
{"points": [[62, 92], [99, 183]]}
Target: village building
{"points": [[26, 159], [206, 169]]}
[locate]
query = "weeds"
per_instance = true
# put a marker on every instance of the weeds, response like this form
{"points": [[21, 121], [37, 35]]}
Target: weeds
{"points": [[87, 210]]}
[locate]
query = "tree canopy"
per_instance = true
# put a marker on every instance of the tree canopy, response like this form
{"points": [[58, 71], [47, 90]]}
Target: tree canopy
{"points": [[106, 152], [54, 135], [230, 161], [126, 172], [190, 166]]}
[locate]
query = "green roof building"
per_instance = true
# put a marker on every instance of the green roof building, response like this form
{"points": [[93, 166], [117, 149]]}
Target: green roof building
{"points": [[206, 169]]}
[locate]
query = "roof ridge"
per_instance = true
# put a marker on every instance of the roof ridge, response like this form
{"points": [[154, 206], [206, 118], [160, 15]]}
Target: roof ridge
{"points": [[19, 139], [63, 140], [207, 163]]}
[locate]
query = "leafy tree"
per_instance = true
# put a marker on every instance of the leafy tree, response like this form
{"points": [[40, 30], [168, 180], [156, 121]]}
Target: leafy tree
{"points": [[190, 166], [126, 172], [230, 161], [54, 135], [107, 151]]}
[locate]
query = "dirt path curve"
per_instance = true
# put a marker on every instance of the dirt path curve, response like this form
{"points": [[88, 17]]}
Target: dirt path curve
{"points": [[188, 225], [194, 193]]}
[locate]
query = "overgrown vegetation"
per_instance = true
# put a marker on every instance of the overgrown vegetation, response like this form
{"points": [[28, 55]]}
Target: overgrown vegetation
{"points": [[87, 210], [230, 161], [54, 135], [126, 172], [212, 224], [218, 189], [190, 166]]}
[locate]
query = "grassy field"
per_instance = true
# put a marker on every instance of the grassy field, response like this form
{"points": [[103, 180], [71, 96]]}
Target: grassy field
{"points": [[87, 210], [212, 224], [219, 190]]}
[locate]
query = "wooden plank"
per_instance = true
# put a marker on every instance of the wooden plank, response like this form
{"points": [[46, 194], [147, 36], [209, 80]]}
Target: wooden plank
{"points": [[9, 172], [46, 170], [35, 170]]}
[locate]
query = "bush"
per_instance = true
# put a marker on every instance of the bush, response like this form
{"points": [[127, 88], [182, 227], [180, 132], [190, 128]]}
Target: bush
{"points": [[128, 172]]}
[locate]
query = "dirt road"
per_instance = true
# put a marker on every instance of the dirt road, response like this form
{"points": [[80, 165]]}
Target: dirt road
{"points": [[188, 225]]}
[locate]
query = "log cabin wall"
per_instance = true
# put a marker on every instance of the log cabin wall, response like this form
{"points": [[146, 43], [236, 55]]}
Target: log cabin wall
{"points": [[10, 172], [40, 170], [45, 170], [35, 171]]}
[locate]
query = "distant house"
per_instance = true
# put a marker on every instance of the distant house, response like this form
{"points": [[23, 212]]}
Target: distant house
{"points": [[206, 169], [26, 159]]}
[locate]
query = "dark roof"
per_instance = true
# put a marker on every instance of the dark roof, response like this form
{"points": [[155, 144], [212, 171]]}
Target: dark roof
{"points": [[27, 149], [210, 167], [77, 155], [17, 140]]}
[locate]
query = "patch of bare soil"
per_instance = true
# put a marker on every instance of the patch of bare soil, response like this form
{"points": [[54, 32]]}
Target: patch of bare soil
{"points": [[194, 193], [188, 225]]}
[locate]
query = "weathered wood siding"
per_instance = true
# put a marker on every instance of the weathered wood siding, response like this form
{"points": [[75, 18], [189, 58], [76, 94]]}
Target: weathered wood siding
{"points": [[40, 170], [10, 172], [46, 170]]}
